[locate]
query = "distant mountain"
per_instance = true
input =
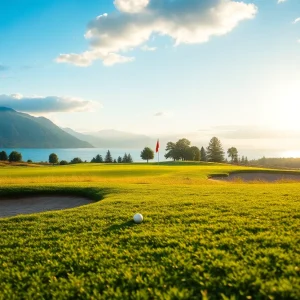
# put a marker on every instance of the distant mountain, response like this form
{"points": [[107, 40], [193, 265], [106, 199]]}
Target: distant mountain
{"points": [[20, 130], [113, 139]]}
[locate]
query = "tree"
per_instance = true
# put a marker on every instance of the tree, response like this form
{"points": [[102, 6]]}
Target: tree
{"points": [[53, 158], [246, 160], [243, 160], [119, 159], [203, 154], [233, 154], [108, 157], [29, 161], [99, 159], [125, 158], [63, 162], [215, 151], [193, 153], [3, 156], [115, 161], [182, 147], [15, 156], [147, 154], [129, 158], [172, 153], [76, 160]]}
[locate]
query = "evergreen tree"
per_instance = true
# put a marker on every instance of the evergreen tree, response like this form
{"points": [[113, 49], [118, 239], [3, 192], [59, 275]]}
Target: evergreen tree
{"points": [[125, 158], [246, 160], [115, 161], [203, 154], [99, 159], [129, 158], [243, 160], [215, 151], [3, 156], [147, 154], [93, 160], [119, 159], [108, 157]]}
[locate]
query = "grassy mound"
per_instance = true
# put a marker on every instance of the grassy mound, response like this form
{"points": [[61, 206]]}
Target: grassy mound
{"points": [[200, 238]]}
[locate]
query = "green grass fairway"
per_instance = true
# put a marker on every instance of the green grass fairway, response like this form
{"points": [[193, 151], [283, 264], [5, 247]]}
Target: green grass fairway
{"points": [[200, 239]]}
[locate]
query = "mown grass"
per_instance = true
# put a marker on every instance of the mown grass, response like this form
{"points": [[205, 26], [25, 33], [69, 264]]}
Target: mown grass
{"points": [[199, 239]]}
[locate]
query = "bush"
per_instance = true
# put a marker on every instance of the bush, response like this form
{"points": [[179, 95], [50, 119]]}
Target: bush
{"points": [[29, 161], [63, 162], [76, 160]]}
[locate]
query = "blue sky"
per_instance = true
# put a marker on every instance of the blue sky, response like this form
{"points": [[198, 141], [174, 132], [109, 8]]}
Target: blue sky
{"points": [[234, 70]]}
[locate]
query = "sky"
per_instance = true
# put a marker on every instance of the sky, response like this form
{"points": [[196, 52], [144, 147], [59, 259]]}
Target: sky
{"points": [[196, 69]]}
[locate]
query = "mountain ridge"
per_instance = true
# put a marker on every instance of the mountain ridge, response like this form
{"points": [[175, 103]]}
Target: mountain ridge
{"points": [[21, 130]]}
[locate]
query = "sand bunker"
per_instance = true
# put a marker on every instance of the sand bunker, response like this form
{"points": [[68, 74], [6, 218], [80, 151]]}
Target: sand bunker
{"points": [[259, 176], [30, 205]]}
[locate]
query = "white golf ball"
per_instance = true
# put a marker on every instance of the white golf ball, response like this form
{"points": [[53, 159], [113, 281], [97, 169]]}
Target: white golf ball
{"points": [[138, 218]]}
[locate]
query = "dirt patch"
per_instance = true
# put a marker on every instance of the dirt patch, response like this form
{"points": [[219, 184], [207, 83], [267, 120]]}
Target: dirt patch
{"points": [[30, 205], [259, 176]]}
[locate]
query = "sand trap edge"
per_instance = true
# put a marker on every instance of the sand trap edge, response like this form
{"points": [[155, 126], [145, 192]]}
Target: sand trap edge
{"points": [[10, 207]]}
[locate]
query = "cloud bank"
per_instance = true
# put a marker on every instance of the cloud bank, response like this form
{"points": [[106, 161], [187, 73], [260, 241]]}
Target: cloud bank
{"points": [[45, 104], [185, 22]]}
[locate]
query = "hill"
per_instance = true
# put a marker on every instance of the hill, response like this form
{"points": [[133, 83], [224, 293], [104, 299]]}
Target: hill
{"points": [[20, 130]]}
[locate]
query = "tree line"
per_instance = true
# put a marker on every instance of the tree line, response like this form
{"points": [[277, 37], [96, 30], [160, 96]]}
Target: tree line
{"points": [[276, 162], [183, 150], [53, 159], [108, 158]]}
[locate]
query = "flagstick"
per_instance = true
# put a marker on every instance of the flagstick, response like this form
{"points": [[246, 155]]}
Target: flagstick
{"points": [[158, 156]]}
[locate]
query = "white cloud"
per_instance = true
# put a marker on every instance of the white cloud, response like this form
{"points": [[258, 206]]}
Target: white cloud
{"points": [[296, 21], [186, 22], [147, 48], [47, 104], [86, 59], [114, 58], [131, 6], [281, 1]]}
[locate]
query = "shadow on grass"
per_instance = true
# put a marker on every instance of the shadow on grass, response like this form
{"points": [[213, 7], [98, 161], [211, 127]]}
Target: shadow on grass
{"points": [[91, 193], [118, 227]]}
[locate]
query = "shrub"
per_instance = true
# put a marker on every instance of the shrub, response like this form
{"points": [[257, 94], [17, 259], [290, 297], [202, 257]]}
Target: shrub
{"points": [[76, 160]]}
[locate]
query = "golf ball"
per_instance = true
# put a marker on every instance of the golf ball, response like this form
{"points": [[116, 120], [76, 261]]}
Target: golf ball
{"points": [[138, 218]]}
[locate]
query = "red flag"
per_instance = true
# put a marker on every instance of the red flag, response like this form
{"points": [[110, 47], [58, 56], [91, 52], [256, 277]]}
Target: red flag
{"points": [[157, 146]]}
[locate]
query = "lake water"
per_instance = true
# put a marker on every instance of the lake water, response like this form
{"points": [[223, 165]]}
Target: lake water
{"points": [[38, 155]]}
